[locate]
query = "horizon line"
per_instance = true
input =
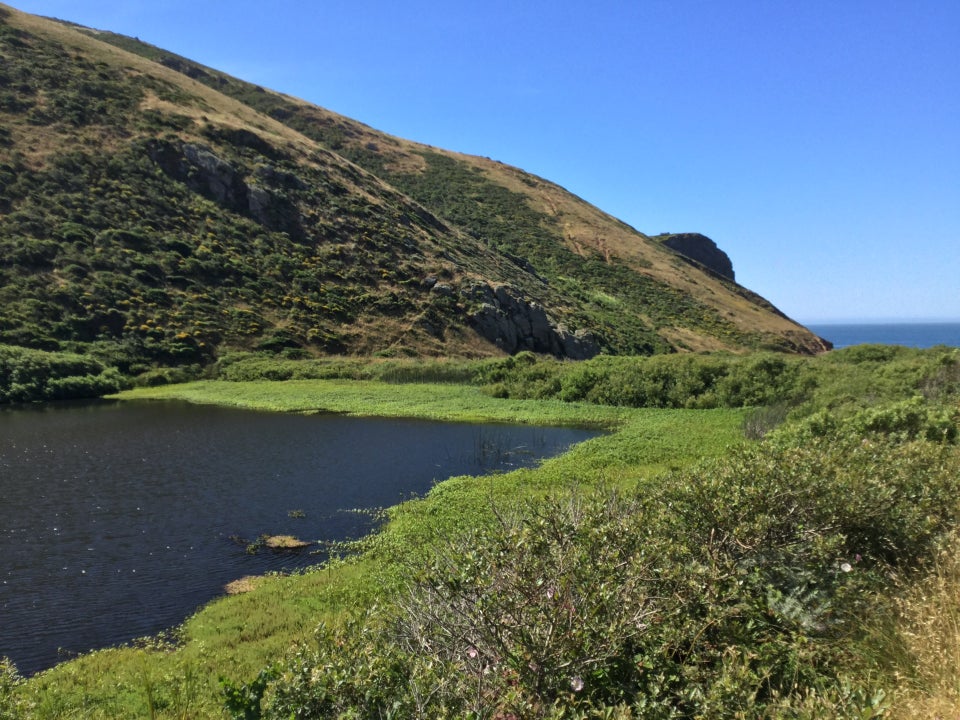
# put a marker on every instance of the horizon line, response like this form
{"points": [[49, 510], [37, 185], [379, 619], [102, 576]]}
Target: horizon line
{"points": [[881, 321]]}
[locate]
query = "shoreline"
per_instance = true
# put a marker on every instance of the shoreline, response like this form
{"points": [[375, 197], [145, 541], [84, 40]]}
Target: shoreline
{"points": [[239, 634]]}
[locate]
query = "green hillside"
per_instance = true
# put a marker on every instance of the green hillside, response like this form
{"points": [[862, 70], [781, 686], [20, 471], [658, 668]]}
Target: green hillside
{"points": [[156, 213]]}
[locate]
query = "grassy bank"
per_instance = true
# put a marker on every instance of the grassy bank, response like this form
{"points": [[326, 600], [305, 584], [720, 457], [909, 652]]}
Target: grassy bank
{"points": [[453, 403], [237, 636]]}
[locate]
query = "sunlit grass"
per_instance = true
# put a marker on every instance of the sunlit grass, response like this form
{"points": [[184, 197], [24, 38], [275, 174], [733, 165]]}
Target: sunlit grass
{"points": [[455, 403], [925, 642]]}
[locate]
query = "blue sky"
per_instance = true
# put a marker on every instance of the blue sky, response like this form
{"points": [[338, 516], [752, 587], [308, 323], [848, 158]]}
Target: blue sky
{"points": [[818, 143]]}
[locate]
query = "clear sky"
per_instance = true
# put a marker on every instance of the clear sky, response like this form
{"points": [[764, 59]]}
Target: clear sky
{"points": [[817, 142]]}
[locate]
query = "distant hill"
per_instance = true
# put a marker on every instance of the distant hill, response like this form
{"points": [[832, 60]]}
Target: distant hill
{"points": [[157, 212]]}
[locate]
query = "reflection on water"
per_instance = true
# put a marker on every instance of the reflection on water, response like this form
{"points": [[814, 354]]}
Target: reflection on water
{"points": [[118, 520]]}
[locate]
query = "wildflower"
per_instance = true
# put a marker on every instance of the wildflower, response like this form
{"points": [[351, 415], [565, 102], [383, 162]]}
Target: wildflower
{"points": [[471, 653], [846, 567], [576, 683]]}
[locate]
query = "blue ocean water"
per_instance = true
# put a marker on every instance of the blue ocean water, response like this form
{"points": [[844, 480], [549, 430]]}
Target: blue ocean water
{"points": [[917, 335]]}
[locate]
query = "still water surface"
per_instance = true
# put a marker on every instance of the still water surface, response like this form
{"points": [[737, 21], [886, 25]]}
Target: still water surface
{"points": [[118, 520]]}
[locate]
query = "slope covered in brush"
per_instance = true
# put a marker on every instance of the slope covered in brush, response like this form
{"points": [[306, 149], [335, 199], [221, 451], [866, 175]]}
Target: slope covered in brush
{"points": [[155, 212]]}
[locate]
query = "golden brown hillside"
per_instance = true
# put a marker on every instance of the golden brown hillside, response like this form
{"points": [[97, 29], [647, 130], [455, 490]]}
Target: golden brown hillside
{"points": [[157, 212]]}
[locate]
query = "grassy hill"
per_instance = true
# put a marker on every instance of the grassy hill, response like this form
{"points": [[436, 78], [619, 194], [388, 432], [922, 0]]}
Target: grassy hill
{"points": [[154, 212]]}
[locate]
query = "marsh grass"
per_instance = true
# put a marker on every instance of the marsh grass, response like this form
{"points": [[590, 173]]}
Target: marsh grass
{"points": [[432, 401]]}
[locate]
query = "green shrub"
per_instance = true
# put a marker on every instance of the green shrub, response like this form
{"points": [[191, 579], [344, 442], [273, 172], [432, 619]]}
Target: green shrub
{"points": [[10, 706], [661, 381], [738, 588], [28, 375], [906, 420]]}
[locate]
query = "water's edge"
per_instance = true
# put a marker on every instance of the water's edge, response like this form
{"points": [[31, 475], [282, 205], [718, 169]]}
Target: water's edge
{"points": [[80, 482]]}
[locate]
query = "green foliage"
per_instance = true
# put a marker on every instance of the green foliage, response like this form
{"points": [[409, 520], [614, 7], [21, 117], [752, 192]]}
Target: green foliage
{"points": [[783, 386], [746, 596], [29, 375], [740, 587], [866, 375], [49, 84], [246, 367], [667, 381], [243, 702], [10, 705], [905, 420]]}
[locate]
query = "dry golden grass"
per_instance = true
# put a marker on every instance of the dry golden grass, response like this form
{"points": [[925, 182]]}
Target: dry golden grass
{"points": [[687, 339], [587, 230], [242, 585], [927, 643], [284, 542]]}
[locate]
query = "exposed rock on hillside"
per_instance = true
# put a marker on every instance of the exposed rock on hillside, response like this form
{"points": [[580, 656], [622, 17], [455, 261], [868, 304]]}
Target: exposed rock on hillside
{"points": [[200, 169], [514, 324], [700, 248]]}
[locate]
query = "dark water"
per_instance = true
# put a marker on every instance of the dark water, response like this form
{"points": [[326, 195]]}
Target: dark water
{"points": [[119, 520], [917, 335]]}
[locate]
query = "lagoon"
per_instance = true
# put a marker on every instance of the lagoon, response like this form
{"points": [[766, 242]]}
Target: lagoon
{"points": [[118, 520]]}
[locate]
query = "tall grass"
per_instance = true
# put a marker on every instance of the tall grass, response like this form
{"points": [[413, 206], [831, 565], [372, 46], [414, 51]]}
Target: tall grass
{"points": [[454, 403], [922, 643]]}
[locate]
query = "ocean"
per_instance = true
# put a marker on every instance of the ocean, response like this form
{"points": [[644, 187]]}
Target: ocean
{"points": [[917, 335]]}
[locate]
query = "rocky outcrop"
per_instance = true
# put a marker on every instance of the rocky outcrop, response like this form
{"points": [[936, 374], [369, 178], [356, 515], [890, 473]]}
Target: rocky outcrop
{"points": [[701, 249], [261, 198], [506, 319]]}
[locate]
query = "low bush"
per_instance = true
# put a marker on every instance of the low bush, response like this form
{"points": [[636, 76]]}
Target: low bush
{"points": [[660, 381], [28, 375], [841, 382], [740, 588], [911, 419], [10, 705]]}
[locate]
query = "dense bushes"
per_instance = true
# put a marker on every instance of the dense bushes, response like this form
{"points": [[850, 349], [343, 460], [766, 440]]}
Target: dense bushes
{"points": [[849, 379], [27, 375], [666, 381], [738, 589], [240, 367]]}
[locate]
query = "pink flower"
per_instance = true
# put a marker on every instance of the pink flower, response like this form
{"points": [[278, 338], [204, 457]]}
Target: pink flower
{"points": [[471, 652]]}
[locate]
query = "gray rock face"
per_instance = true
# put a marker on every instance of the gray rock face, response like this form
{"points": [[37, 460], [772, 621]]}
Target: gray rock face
{"points": [[702, 249], [213, 177], [514, 324], [204, 172]]}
